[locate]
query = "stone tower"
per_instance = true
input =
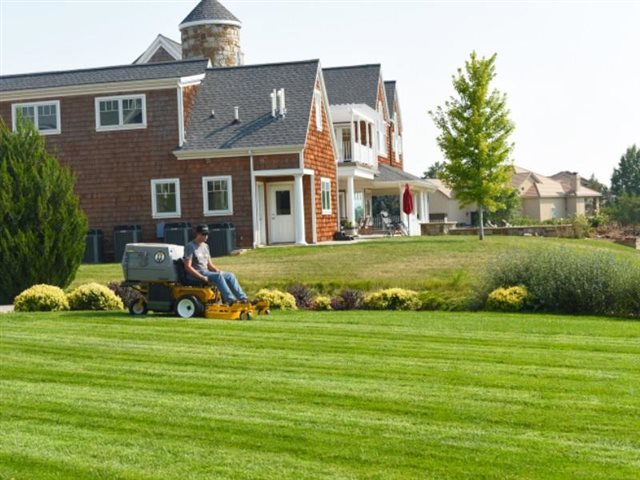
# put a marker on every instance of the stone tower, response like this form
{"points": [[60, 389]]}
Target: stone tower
{"points": [[212, 31]]}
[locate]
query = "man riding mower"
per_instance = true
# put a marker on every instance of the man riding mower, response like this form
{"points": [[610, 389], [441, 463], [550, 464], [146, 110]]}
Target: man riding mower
{"points": [[157, 271]]}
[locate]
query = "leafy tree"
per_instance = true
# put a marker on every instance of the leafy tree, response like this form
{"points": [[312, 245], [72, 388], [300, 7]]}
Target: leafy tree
{"points": [[42, 229], [625, 210], [474, 137], [434, 170], [626, 178], [593, 183], [510, 210]]}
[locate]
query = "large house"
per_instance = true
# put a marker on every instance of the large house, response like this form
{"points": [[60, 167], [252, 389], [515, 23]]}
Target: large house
{"points": [[562, 195], [187, 133]]}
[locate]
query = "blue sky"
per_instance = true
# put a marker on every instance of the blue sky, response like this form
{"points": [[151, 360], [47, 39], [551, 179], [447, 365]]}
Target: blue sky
{"points": [[571, 70]]}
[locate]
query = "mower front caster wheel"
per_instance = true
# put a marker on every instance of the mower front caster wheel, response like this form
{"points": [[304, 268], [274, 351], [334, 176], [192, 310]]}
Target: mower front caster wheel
{"points": [[138, 307], [188, 306]]}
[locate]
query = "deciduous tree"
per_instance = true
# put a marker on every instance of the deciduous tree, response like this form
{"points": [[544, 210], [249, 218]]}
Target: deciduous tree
{"points": [[474, 137], [626, 178]]}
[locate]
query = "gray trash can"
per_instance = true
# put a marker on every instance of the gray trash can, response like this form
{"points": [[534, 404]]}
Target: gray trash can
{"points": [[222, 239], [94, 247], [177, 233], [123, 234]]}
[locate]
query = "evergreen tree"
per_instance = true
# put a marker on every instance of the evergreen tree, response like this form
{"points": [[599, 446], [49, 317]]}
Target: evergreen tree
{"points": [[433, 171], [42, 229], [626, 178], [474, 137]]}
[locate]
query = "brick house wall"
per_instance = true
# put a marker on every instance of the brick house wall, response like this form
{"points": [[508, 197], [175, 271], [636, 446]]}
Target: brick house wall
{"points": [[319, 156]]}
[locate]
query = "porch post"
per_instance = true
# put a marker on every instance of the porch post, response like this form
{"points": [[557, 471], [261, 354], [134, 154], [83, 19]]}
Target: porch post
{"points": [[298, 195], [351, 214]]}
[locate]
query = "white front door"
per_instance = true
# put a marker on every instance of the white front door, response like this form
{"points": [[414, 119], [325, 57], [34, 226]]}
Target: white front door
{"points": [[281, 226]]}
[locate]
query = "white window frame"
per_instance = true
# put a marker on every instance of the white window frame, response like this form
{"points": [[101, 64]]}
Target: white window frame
{"points": [[381, 127], [154, 204], [325, 188], [318, 99], [35, 105], [205, 197], [121, 125]]}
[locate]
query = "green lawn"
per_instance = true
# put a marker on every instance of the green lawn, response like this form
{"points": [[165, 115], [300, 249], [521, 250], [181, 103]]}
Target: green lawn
{"points": [[446, 263], [319, 395]]}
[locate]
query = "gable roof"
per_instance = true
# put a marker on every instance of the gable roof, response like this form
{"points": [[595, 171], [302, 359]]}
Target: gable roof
{"points": [[390, 90], [121, 73], [173, 48], [209, 11], [249, 87], [353, 85], [548, 187]]}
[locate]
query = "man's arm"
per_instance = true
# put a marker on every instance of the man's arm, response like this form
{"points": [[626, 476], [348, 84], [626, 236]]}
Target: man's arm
{"points": [[212, 267], [189, 268]]}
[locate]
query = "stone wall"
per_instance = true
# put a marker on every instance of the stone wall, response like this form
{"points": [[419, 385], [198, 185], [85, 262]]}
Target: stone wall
{"points": [[533, 230]]}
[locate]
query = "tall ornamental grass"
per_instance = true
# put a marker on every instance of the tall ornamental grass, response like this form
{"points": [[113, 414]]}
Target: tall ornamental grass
{"points": [[566, 280]]}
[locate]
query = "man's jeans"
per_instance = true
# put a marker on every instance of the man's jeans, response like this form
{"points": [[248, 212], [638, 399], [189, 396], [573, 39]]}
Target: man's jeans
{"points": [[228, 285]]}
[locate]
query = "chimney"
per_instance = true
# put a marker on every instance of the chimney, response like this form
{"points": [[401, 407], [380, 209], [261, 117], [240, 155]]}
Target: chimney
{"points": [[575, 182]]}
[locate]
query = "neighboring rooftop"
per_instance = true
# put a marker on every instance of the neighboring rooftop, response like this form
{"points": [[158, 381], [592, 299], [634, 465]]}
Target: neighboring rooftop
{"points": [[210, 11], [390, 90], [121, 73], [387, 173], [353, 85], [248, 88]]}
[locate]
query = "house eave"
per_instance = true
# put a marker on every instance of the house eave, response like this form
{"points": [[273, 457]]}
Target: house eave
{"points": [[236, 152]]}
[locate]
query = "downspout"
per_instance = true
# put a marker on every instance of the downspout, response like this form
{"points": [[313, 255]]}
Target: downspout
{"points": [[253, 200]]}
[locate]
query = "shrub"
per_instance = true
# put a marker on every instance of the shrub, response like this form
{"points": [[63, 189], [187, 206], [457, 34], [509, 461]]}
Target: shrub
{"points": [[93, 296], [42, 238], [441, 301], [512, 299], [392, 299], [567, 280], [347, 299], [277, 299], [41, 298], [127, 294], [581, 226], [302, 294], [322, 302]]}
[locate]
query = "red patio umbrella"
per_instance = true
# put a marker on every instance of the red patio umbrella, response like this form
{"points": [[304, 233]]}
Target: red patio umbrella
{"points": [[407, 205]]}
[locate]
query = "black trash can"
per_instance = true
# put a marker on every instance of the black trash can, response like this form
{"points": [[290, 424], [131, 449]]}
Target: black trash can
{"points": [[177, 233], [222, 239], [94, 247], [123, 234]]}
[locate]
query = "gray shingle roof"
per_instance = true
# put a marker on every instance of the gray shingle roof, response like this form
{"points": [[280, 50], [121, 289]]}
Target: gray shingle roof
{"points": [[249, 88], [391, 174], [123, 73], [390, 90], [210, 10], [356, 84]]}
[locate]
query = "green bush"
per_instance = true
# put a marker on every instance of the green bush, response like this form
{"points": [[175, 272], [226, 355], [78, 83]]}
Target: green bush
{"points": [[41, 298], [581, 226], [277, 299], [441, 301], [42, 238], [392, 299], [569, 280], [512, 299], [93, 296], [322, 302]]}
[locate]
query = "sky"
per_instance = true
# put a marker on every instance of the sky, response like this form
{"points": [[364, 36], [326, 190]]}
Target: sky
{"points": [[570, 69]]}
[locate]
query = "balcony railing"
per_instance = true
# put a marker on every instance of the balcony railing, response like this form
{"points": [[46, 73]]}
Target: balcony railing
{"points": [[358, 153]]}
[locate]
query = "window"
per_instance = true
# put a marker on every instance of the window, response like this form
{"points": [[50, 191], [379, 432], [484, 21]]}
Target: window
{"points": [[165, 197], [381, 127], [318, 98], [325, 187], [216, 192], [120, 113], [45, 116]]}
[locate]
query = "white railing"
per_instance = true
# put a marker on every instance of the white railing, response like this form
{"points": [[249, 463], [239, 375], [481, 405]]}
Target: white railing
{"points": [[358, 153]]}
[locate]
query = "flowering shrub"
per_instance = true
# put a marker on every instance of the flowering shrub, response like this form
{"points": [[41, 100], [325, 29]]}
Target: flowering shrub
{"points": [[127, 294], [302, 294], [392, 299], [347, 299], [322, 302], [512, 299], [41, 298], [277, 299], [93, 296]]}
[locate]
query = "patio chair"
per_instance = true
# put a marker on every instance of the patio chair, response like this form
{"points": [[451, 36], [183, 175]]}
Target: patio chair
{"points": [[391, 227]]}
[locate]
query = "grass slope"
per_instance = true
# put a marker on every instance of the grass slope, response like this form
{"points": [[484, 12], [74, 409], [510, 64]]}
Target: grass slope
{"points": [[319, 395], [446, 263]]}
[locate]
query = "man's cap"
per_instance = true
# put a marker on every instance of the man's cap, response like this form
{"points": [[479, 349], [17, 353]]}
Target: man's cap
{"points": [[203, 229]]}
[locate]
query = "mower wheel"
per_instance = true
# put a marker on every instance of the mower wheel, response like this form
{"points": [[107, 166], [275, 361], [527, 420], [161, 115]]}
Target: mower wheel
{"points": [[138, 307], [188, 306], [246, 315]]}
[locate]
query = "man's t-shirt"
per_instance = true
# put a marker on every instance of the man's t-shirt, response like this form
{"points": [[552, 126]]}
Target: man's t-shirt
{"points": [[199, 255]]}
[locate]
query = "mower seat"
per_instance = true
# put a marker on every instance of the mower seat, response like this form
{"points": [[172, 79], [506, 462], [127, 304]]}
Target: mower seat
{"points": [[185, 279]]}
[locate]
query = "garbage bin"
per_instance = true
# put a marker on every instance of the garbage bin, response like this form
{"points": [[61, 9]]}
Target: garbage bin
{"points": [[94, 247], [123, 234], [177, 233], [222, 239]]}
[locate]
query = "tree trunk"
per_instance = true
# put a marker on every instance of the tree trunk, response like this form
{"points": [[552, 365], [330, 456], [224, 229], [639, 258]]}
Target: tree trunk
{"points": [[481, 220]]}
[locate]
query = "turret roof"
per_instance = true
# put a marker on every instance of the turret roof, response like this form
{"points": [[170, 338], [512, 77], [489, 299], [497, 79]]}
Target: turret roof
{"points": [[210, 11]]}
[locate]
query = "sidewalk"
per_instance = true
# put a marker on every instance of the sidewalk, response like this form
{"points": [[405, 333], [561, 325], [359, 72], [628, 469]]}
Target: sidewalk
{"points": [[6, 308]]}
